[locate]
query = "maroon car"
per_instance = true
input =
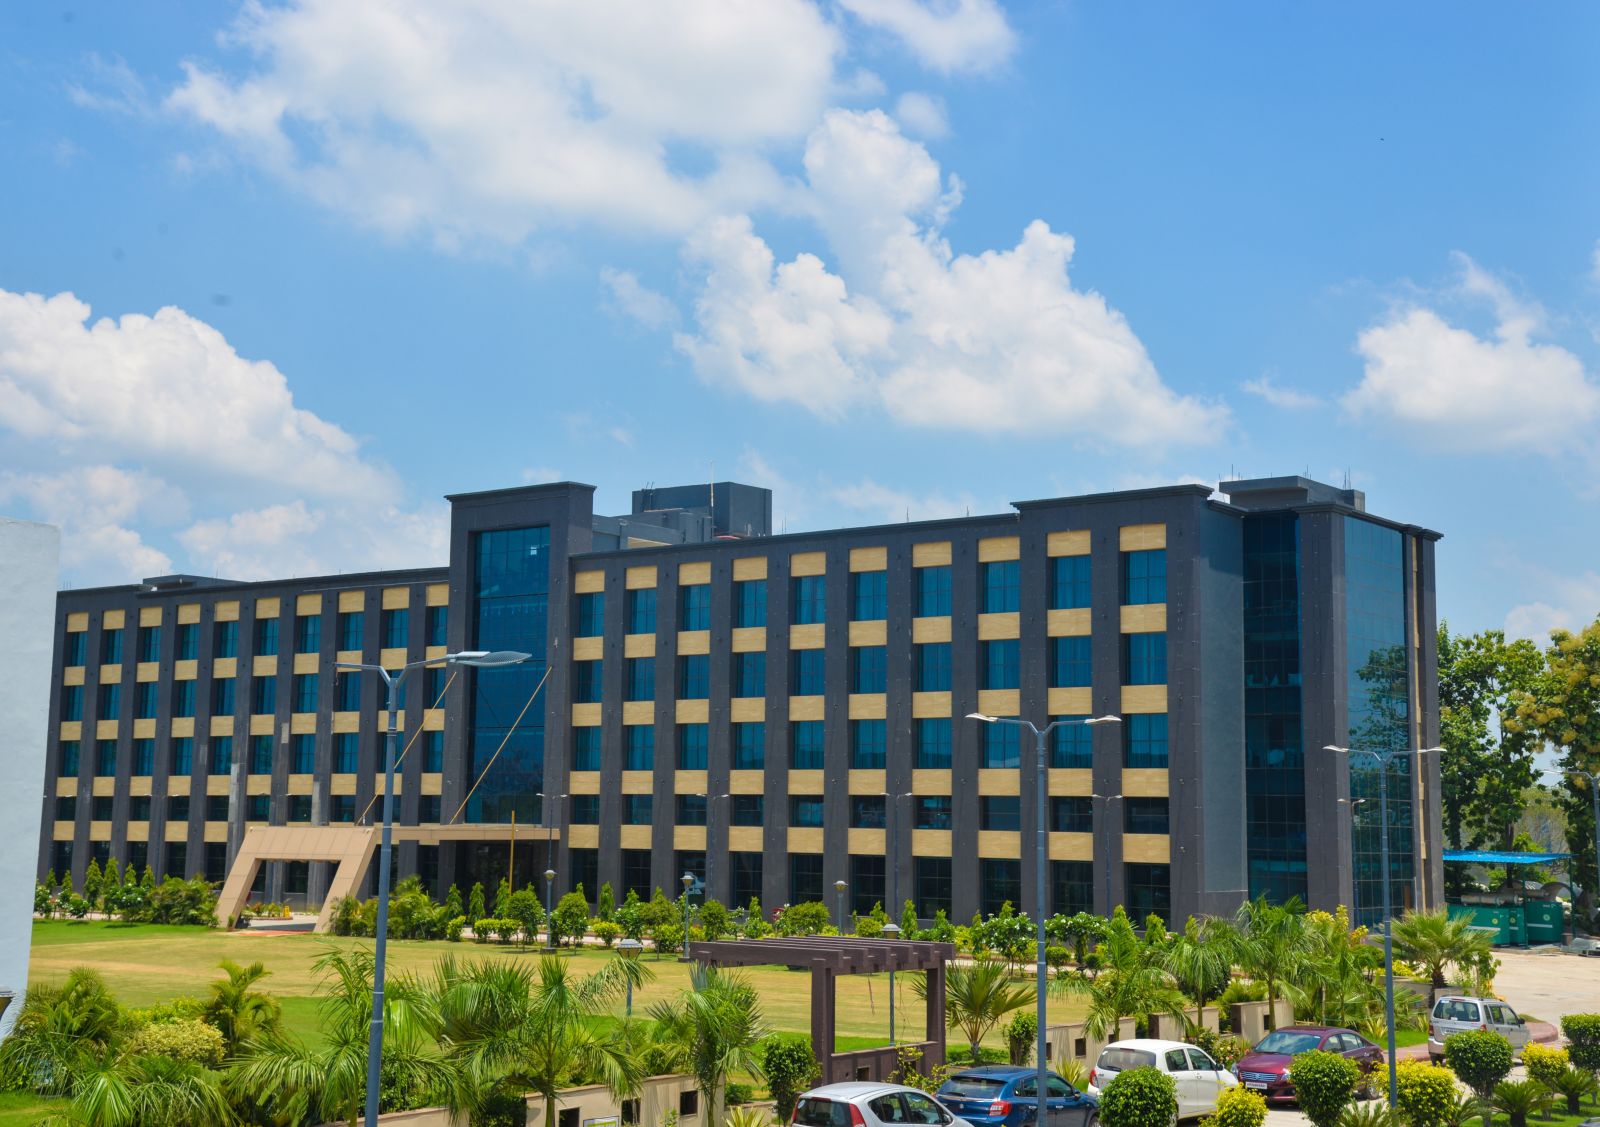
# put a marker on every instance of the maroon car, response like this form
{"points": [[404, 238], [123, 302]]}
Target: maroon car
{"points": [[1265, 1068]]}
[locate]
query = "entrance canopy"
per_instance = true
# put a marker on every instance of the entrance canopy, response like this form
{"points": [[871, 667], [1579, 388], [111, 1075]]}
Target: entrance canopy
{"points": [[1491, 857]]}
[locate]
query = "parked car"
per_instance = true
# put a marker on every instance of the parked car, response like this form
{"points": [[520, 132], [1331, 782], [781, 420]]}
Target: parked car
{"points": [[1197, 1077], [869, 1104], [1456, 1014], [1007, 1096], [1265, 1068]]}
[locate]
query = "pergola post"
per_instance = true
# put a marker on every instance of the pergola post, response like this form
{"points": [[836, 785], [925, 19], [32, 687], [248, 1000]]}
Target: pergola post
{"points": [[822, 1016], [936, 1005]]}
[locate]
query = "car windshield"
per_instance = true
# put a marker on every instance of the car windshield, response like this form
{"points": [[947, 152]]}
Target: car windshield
{"points": [[1121, 1060], [813, 1112], [1287, 1043], [972, 1087]]}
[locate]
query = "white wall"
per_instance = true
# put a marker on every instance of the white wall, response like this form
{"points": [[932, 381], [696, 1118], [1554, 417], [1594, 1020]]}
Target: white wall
{"points": [[28, 561]]}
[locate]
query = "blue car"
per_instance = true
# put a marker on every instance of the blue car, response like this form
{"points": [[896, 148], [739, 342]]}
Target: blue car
{"points": [[1003, 1095]]}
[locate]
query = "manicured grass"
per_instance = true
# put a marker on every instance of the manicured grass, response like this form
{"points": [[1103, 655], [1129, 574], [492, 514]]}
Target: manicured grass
{"points": [[21, 1110]]}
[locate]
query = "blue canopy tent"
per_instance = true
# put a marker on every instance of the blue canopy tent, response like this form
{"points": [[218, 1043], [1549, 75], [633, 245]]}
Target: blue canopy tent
{"points": [[1517, 920]]}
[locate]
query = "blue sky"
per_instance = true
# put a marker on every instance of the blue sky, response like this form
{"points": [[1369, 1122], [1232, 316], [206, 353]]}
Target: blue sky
{"points": [[275, 277]]}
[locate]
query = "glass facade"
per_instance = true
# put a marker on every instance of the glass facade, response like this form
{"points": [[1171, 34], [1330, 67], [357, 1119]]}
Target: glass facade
{"points": [[1378, 684], [511, 595]]}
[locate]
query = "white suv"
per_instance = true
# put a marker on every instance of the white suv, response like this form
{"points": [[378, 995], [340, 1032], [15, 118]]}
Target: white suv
{"points": [[1456, 1014], [870, 1104], [1196, 1076]]}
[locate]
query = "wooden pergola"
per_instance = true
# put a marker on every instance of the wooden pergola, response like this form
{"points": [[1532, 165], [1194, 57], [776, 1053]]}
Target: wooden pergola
{"points": [[827, 958]]}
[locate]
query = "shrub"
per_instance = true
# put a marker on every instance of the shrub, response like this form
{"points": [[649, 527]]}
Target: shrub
{"points": [[1583, 1034], [1227, 1050], [1543, 1063], [606, 907], [193, 1041], [668, 937], [1238, 1107], [572, 917], [176, 901], [715, 920], [1140, 1097], [737, 1094], [1425, 1091], [1021, 1033], [1574, 1084], [1519, 1099], [755, 923], [802, 919], [475, 908], [1369, 1115], [522, 906], [1480, 1058], [606, 931], [453, 929], [790, 1068], [1324, 1083]]}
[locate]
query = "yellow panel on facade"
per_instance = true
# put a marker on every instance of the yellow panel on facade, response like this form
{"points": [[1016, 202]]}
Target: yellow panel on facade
{"points": [[64, 831], [867, 842], [584, 782], [691, 711], [1147, 849], [433, 720], [77, 622], [810, 636], [930, 555], [1141, 537], [99, 831], [346, 722], [747, 710], [589, 582], [586, 716], [925, 630], [432, 783], [583, 837], [1070, 702], [929, 780], [349, 657], [805, 839], [176, 831], [188, 614], [869, 559], [72, 675], [396, 598], [638, 645], [930, 843], [218, 784], [222, 726], [869, 706], [107, 729], [637, 782], [187, 670], [71, 730], [138, 831], [998, 626], [144, 729], [998, 780], [66, 786], [1074, 623], [437, 594], [636, 712], [1067, 543], [344, 783], [992, 549], [149, 616], [1071, 847], [434, 653], [223, 667], [377, 787], [1144, 698], [307, 663], [262, 725], [999, 843], [639, 578], [103, 786], [392, 658], [264, 666], [999, 702], [147, 671], [588, 649], [688, 837], [1071, 781], [806, 708], [1146, 782], [351, 601], [747, 639], [808, 563], [930, 705], [268, 608], [874, 632], [305, 723], [866, 781], [113, 620], [691, 574], [227, 610], [307, 605], [689, 642], [806, 782], [636, 837], [747, 782], [689, 782], [746, 839], [110, 674], [1146, 619], [750, 567], [258, 784]]}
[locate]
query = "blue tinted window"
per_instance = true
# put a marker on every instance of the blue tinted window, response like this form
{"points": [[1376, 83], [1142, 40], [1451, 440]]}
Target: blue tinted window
{"points": [[69, 758], [183, 697], [438, 625], [182, 755], [303, 754], [1144, 577], [695, 607], [749, 746], [807, 672], [931, 811], [747, 810], [868, 812], [933, 743], [111, 701], [225, 640], [750, 602], [261, 755], [586, 809], [148, 702], [869, 595], [810, 603], [307, 633], [305, 692], [1144, 739], [1002, 745], [347, 753], [694, 677], [641, 674], [694, 742], [589, 616], [1144, 660], [264, 695], [691, 810], [933, 591], [396, 628], [510, 608], [77, 648], [1000, 812], [1002, 589], [637, 809], [186, 645], [1149, 892], [588, 682], [999, 881], [1001, 664], [222, 696], [749, 674], [72, 702], [642, 611], [806, 811], [1072, 745], [933, 667], [1069, 663], [348, 684], [266, 637], [111, 647], [144, 757], [1069, 582], [352, 627], [149, 643], [221, 755], [586, 749], [868, 742], [639, 742], [105, 759], [433, 751], [1144, 815], [869, 669], [1072, 814], [806, 745]]}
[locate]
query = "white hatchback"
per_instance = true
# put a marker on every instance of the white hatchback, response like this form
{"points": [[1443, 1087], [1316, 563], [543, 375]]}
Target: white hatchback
{"points": [[870, 1104], [1197, 1078], [1457, 1014]]}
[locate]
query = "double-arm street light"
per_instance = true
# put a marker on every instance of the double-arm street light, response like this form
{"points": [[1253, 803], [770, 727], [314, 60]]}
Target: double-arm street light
{"points": [[1041, 863], [392, 680], [550, 864], [1594, 787], [1383, 759]]}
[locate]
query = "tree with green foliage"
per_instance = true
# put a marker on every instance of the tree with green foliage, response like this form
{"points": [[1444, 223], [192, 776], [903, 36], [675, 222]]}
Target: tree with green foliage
{"points": [[1324, 1084], [606, 907], [790, 1066], [524, 907], [475, 905], [1582, 1032], [1337, 981], [1272, 944], [1425, 1091], [712, 1032], [755, 921], [1238, 1106], [1432, 941], [501, 894], [1200, 961], [572, 917], [92, 879], [1139, 1097], [238, 1010], [60, 1032], [1573, 1084], [1134, 980], [977, 996], [150, 1090], [715, 920], [631, 916], [1518, 1099], [1480, 1058], [452, 903]]}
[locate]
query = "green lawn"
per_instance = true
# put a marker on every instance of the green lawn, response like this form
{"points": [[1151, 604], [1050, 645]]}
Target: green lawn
{"points": [[19, 1110]]}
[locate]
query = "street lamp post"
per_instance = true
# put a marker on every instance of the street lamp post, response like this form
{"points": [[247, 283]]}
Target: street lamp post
{"points": [[688, 883], [1041, 863], [839, 886], [549, 909], [1594, 787], [891, 930], [1383, 759], [629, 948], [392, 681], [549, 859]]}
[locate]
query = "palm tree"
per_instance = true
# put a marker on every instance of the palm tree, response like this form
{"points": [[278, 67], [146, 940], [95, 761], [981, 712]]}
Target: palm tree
{"points": [[1273, 944], [1519, 1099], [1133, 981], [514, 1028], [237, 1011], [711, 1032], [1432, 941], [60, 1032], [287, 1078], [1335, 983], [976, 997], [150, 1091], [1200, 960]]}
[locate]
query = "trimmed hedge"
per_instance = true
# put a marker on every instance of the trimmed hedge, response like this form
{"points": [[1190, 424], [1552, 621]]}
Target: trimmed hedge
{"points": [[1425, 1090], [1324, 1084], [1238, 1107], [1583, 1031], [1139, 1097], [1543, 1063], [1480, 1057]]}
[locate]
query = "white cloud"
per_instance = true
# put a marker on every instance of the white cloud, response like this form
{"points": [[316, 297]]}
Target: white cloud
{"points": [[1285, 397], [888, 505], [651, 309], [1451, 387], [110, 86], [96, 505], [540, 475], [1568, 603], [922, 115], [997, 342], [297, 539], [496, 118], [946, 35]]}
